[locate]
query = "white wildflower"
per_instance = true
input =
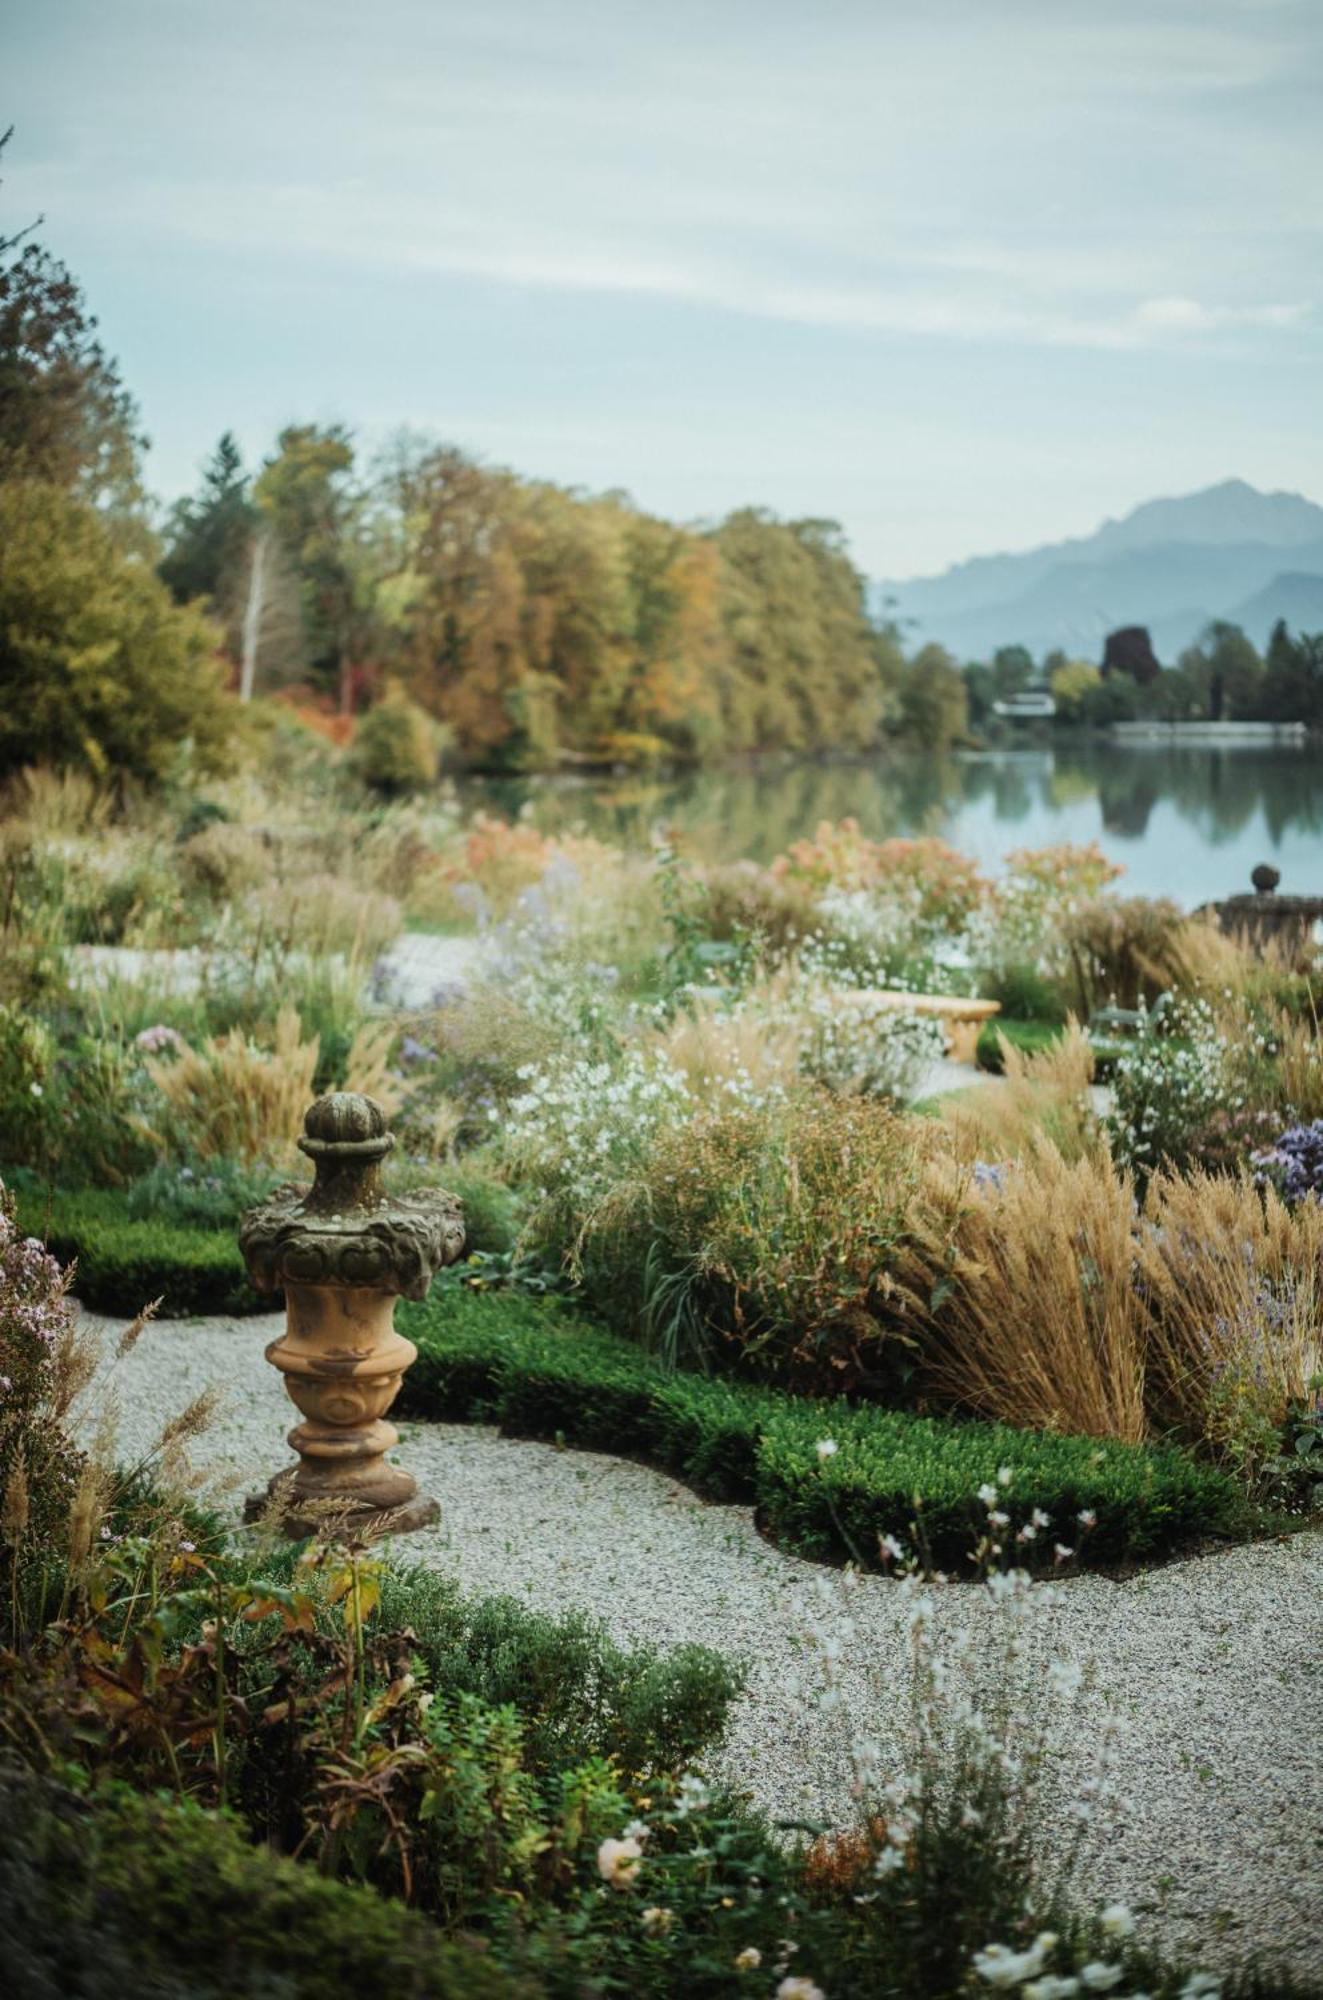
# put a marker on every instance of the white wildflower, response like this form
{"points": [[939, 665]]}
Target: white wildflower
{"points": [[692, 1795], [999, 1967], [618, 1862]]}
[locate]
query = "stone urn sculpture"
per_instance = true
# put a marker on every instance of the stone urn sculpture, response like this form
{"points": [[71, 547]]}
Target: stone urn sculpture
{"points": [[344, 1250]]}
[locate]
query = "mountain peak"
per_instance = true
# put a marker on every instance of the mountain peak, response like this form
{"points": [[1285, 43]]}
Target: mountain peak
{"points": [[1171, 563]]}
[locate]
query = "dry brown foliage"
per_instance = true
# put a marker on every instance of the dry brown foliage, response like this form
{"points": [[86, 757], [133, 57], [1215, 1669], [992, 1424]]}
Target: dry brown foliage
{"points": [[232, 1098], [1037, 1295], [322, 914], [1300, 1066]]}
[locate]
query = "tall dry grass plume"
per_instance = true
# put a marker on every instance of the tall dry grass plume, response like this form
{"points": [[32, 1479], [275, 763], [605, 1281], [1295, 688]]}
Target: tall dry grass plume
{"points": [[1232, 1285], [1043, 1098], [1016, 1281], [58, 805], [711, 1044], [234, 1098]]}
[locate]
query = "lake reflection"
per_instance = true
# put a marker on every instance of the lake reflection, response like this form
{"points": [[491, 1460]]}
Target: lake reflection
{"points": [[1185, 822]]}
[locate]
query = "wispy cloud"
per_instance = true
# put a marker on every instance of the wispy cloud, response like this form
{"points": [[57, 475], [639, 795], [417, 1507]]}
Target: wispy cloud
{"points": [[934, 234]]}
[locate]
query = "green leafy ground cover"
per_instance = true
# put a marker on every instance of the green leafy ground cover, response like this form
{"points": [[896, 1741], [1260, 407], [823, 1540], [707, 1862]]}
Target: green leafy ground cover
{"points": [[538, 1369]]}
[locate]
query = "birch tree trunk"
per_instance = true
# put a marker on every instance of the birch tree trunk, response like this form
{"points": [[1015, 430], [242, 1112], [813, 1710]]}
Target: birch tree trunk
{"points": [[252, 617]]}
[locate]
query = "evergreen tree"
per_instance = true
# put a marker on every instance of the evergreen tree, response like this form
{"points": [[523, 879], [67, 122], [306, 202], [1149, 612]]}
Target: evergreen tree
{"points": [[208, 536]]}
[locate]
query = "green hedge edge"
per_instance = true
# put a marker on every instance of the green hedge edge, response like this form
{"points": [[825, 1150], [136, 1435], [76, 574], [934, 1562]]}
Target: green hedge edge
{"points": [[122, 1263], [536, 1369]]}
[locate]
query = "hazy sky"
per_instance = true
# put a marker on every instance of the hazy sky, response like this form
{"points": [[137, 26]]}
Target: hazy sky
{"points": [[965, 274]]}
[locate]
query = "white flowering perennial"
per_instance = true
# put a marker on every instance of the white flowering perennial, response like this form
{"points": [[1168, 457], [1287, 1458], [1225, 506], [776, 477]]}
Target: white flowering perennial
{"points": [[1027, 1973], [578, 1126], [1169, 1084], [798, 1988], [619, 1861], [977, 1752]]}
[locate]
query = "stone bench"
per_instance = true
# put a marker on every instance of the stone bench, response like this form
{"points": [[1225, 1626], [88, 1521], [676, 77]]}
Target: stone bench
{"points": [[962, 1017]]}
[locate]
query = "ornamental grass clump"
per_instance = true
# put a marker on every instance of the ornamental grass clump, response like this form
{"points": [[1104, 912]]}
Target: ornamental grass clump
{"points": [[759, 1231], [1043, 1098], [1231, 1283], [319, 914], [1016, 1284], [237, 1100]]}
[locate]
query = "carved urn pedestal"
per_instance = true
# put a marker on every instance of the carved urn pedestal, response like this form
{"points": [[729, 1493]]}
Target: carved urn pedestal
{"points": [[343, 1251]]}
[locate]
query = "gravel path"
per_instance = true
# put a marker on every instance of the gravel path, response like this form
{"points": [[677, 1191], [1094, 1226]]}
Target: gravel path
{"points": [[1215, 1665], [412, 969]]}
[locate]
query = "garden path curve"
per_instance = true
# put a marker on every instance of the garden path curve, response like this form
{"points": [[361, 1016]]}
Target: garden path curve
{"points": [[1215, 1664]]}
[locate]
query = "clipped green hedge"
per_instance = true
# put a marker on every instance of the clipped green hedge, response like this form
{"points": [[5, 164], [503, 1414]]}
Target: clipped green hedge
{"points": [[1029, 1037], [123, 1263], [537, 1370], [113, 1893]]}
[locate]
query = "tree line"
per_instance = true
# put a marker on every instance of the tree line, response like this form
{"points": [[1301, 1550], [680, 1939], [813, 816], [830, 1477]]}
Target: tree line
{"points": [[1221, 678]]}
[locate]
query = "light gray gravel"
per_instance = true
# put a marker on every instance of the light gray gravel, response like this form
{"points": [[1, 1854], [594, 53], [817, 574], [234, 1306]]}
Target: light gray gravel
{"points": [[1215, 1665], [412, 968]]}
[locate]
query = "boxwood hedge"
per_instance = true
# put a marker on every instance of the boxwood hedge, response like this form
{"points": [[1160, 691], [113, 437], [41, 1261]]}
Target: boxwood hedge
{"points": [[538, 1370], [122, 1262], [112, 1893]]}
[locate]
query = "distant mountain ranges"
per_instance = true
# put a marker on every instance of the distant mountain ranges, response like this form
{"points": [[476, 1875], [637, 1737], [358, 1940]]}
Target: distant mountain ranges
{"points": [[1227, 552]]}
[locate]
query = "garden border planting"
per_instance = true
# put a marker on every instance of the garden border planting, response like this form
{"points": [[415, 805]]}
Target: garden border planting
{"points": [[536, 1369]]}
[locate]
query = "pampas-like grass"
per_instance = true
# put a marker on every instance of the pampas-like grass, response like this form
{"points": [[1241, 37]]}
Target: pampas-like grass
{"points": [[232, 1099], [1017, 1284], [1231, 1281], [1042, 1098]]}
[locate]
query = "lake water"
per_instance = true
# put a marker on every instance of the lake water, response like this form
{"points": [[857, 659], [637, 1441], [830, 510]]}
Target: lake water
{"points": [[1187, 822]]}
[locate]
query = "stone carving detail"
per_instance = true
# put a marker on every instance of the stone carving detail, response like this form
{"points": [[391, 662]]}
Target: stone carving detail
{"points": [[345, 1229], [397, 1249], [344, 1250]]}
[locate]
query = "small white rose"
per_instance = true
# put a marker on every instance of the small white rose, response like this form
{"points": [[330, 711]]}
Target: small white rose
{"points": [[618, 1862]]}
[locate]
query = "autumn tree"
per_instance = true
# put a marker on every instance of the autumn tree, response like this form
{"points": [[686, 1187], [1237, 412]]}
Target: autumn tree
{"points": [[934, 708], [800, 672], [306, 496], [65, 416], [100, 667]]}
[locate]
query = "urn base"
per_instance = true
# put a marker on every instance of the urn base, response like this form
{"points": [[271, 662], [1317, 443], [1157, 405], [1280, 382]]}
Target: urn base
{"points": [[338, 1517]]}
